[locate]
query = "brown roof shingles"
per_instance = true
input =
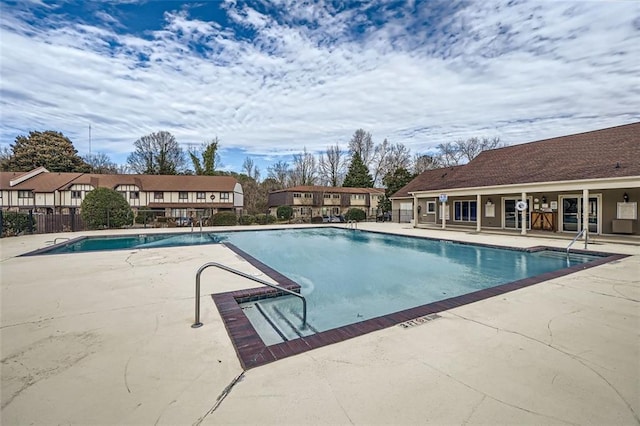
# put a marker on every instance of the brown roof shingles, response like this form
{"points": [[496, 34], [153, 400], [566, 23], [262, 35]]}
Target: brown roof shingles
{"points": [[606, 153], [333, 189]]}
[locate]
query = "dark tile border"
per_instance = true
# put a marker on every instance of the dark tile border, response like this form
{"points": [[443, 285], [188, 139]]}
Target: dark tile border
{"points": [[252, 352]]}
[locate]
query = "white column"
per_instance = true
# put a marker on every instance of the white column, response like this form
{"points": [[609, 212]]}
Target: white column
{"points": [[444, 214], [478, 213], [585, 216], [415, 211], [523, 216]]}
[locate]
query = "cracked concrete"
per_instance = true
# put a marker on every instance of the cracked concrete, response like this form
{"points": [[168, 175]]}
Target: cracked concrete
{"points": [[105, 338]]}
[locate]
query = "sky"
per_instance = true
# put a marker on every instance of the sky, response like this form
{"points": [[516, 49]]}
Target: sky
{"points": [[269, 78]]}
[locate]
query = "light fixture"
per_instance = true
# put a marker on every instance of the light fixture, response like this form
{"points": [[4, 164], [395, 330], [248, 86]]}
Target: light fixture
{"points": [[625, 197], [544, 199]]}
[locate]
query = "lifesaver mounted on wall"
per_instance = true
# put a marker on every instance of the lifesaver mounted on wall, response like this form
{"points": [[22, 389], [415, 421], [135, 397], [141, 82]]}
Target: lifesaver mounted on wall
{"points": [[521, 206]]}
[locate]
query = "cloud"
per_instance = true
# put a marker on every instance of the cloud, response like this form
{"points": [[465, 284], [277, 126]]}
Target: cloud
{"points": [[273, 77]]}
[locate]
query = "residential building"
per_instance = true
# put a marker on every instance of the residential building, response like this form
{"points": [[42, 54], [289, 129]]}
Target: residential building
{"points": [[312, 201], [566, 184], [41, 191]]}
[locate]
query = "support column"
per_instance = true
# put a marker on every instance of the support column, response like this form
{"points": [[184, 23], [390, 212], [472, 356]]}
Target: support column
{"points": [[443, 208], [585, 216], [478, 213], [415, 211], [523, 215]]}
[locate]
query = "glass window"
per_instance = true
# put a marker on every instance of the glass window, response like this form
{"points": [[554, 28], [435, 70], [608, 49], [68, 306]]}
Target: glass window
{"points": [[158, 195], [326, 196], [134, 195], [336, 195], [465, 211], [431, 206], [200, 195], [25, 194], [307, 195], [76, 194], [297, 195], [183, 195], [224, 196]]}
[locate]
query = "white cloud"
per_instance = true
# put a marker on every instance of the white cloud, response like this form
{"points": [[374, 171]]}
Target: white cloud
{"points": [[522, 72]]}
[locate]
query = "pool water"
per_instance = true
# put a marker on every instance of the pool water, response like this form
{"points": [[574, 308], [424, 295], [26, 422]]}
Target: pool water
{"points": [[134, 242], [350, 276]]}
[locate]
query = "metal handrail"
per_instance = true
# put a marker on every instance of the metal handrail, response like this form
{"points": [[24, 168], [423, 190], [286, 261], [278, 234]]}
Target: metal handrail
{"points": [[576, 239], [352, 224], [197, 322]]}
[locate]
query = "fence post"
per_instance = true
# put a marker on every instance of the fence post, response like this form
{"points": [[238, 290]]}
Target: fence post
{"points": [[30, 228], [1, 223]]}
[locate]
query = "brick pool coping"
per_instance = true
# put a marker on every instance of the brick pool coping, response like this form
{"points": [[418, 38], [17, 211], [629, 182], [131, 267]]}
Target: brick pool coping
{"points": [[252, 351]]}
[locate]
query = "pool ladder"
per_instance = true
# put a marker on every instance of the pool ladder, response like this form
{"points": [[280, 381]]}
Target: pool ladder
{"points": [[352, 224], [586, 239], [197, 322]]}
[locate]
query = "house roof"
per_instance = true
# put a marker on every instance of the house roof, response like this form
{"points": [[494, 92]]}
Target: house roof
{"points": [[332, 189], [43, 182], [599, 154], [52, 181]]}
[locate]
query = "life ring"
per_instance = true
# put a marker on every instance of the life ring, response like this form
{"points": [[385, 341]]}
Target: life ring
{"points": [[521, 205]]}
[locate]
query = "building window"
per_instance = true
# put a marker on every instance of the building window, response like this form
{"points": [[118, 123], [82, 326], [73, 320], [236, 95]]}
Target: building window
{"points": [[158, 195], [307, 195], [297, 195], [325, 196], [134, 195], [183, 195], [357, 196], [464, 211], [25, 194], [123, 193], [76, 194], [336, 195], [200, 195], [431, 207], [224, 196]]}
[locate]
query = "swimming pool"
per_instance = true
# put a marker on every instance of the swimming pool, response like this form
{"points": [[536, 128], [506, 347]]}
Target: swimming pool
{"points": [[349, 276], [355, 281]]}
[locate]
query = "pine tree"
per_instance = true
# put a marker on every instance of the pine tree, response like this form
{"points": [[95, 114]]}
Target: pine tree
{"points": [[49, 149], [358, 175]]}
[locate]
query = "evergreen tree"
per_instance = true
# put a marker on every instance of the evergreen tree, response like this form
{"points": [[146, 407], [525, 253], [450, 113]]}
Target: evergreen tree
{"points": [[49, 149], [358, 175], [393, 182]]}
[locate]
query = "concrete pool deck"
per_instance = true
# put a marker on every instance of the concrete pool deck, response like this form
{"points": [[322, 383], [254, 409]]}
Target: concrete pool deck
{"points": [[105, 338]]}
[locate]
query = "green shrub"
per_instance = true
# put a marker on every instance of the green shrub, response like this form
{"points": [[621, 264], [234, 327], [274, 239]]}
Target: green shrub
{"points": [[106, 208], [265, 219], [247, 220], [224, 219], [14, 223], [316, 219], [284, 212], [355, 214]]}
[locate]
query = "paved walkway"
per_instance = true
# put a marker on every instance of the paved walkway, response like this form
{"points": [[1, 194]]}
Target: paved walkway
{"points": [[105, 338]]}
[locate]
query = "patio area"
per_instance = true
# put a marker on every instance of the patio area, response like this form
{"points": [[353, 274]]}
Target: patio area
{"points": [[105, 338]]}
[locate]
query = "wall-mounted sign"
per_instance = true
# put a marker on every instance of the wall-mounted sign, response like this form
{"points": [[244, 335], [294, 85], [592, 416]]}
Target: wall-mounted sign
{"points": [[443, 198]]}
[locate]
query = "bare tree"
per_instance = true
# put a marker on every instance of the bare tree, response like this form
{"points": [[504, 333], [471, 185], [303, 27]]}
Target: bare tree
{"points": [[448, 153], [389, 157], [377, 166], [279, 173], [463, 151], [423, 162], [101, 163], [362, 144], [304, 171], [157, 154], [250, 169], [332, 166]]}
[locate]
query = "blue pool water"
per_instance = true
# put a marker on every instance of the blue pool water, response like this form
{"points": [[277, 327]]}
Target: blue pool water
{"points": [[350, 276], [135, 242]]}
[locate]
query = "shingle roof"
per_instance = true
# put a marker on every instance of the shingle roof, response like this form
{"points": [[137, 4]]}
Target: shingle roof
{"points": [[332, 189], [49, 182], [599, 154]]}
